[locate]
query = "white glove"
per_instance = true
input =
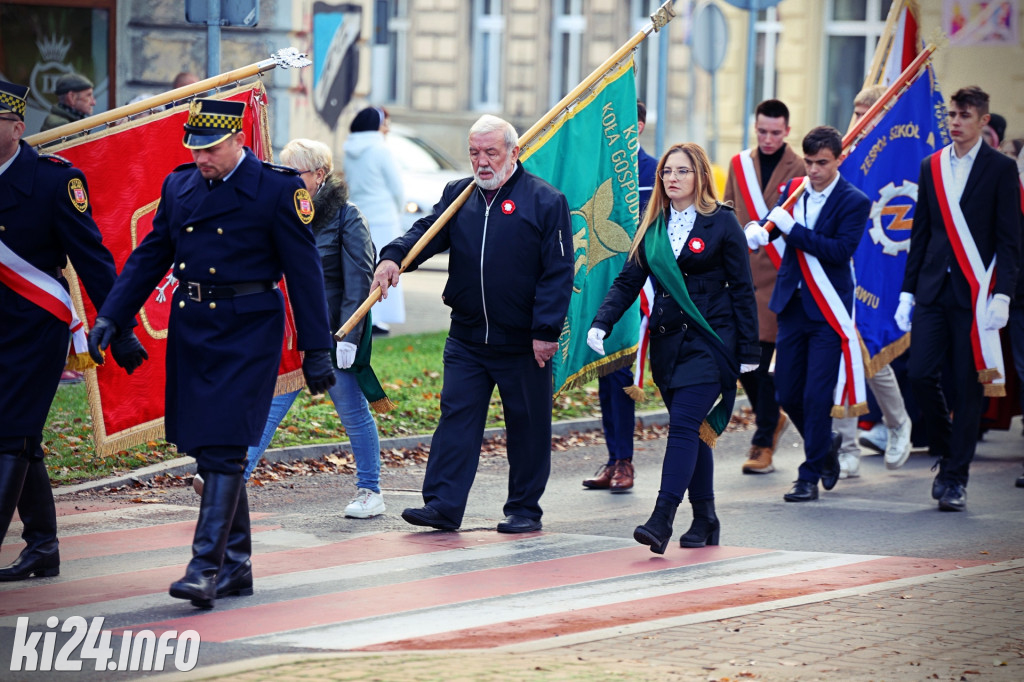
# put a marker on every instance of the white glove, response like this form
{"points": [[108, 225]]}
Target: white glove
{"points": [[998, 313], [903, 311], [746, 367], [756, 235], [346, 354], [595, 339], [782, 219]]}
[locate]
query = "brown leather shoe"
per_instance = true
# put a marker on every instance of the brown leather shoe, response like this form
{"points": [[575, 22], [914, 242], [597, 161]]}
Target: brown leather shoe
{"points": [[780, 428], [622, 477], [759, 461], [602, 479]]}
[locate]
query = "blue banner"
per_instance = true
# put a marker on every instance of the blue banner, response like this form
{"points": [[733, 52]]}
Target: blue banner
{"points": [[885, 165]]}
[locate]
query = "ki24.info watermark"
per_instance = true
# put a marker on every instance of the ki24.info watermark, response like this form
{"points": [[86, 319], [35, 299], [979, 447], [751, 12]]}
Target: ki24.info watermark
{"points": [[36, 650]]}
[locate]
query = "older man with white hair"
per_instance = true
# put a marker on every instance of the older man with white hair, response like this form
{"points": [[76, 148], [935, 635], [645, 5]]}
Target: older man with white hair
{"points": [[510, 272]]}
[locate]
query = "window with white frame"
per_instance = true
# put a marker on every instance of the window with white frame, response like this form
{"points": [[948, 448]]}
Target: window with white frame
{"points": [[488, 28], [646, 57], [852, 30], [388, 70], [767, 30], [567, 27]]}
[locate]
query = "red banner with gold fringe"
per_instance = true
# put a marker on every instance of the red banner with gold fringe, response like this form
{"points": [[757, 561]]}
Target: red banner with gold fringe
{"points": [[125, 166]]}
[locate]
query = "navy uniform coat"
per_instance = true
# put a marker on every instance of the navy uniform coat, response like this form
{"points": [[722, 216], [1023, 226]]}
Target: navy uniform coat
{"points": [[223, 355], [836, 235], [41, 222], [717, 274]]}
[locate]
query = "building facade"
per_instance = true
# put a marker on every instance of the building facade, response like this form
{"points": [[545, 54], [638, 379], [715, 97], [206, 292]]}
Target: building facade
{"points": [[438, 64]]}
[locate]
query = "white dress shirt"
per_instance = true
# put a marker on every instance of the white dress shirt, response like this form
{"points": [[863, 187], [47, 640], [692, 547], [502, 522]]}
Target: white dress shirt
{"points": [[679, 225], [813, 201], [961, 167]]}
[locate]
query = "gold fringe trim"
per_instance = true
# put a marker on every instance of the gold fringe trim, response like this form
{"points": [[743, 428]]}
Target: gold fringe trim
{"points": [[288, 382], [995, 390], [987, 376], [383, 405], [884, 356], [843, 411], [79, 362], [623, 358], [707, 434], [636, 393]]}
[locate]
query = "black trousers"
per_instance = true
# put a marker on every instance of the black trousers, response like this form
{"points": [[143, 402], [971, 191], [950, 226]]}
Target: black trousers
{"points": [[471, 371], [618, 413], [941, 338], [759, 386]]}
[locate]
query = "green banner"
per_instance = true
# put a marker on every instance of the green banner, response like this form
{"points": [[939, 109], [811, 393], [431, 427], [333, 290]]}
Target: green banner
{"points": [[590, 155]]}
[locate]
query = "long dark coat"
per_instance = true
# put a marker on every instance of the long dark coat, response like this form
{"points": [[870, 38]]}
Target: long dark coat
{"points": [[223, 355]]}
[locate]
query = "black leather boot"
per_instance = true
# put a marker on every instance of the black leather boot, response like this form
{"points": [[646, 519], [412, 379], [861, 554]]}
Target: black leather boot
{"points": [[658, 530], [235, 577], [705, 527], [216, 513], [12, 479], [41, 556]]}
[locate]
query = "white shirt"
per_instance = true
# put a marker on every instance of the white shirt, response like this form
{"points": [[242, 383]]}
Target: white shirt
{"points": [[961, 167], [813, 201], [8, 162], [679, 225]]}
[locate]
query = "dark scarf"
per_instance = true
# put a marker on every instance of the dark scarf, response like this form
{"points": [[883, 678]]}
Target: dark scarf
{"points": [[665, 269], [65, 111], [328, 201]]}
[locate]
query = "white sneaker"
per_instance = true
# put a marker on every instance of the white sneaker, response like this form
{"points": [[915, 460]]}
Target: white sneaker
{"points": [[365, 504], [898, 449], [876, 438], [849, 465]]}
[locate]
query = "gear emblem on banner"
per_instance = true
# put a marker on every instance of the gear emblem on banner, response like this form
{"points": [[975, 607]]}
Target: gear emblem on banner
{"points": [[899, 222]]}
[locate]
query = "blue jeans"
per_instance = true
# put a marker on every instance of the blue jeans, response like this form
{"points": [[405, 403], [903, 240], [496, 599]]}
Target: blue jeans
{"points": [[354, 413]]}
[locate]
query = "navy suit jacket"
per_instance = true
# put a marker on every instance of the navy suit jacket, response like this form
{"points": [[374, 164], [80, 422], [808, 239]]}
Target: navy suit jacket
{"points": [[835, 237], [991, 204]]}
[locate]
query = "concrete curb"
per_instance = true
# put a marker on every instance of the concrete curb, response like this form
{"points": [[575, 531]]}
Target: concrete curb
{"points": [[181, 466]]}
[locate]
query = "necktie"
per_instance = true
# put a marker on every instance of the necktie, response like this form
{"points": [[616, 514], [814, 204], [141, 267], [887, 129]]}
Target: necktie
{"points": [[214, 184]]}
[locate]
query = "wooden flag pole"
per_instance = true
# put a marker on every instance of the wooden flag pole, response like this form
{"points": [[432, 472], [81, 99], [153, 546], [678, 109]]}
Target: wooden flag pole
{"points": [[287, 58], [659, 19], [868, 121]]}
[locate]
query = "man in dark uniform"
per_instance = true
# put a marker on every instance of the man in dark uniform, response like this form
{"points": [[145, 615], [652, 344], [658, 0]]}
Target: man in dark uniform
{"points": [[229, 226], [45, 217], [509, 283]]}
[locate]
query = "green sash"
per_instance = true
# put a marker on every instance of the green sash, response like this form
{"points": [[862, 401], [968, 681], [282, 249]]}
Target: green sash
{"points": [[662, 262], [365, 376]]}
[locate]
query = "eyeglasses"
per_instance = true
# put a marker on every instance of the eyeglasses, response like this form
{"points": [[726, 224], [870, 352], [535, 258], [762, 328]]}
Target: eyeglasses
{"points": [[5, 118], [312, 170], [667, 173]]}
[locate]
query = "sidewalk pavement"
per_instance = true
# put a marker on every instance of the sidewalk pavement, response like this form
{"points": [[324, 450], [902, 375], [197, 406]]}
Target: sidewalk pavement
{"points": [[960, 625]]}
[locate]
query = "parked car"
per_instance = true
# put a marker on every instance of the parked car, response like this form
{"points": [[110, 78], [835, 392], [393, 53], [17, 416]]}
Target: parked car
{"points": [[425, 170]]}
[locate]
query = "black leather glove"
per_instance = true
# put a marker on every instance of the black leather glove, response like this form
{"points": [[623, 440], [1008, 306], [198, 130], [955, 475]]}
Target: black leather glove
{"points": [[318, 370], [100, 336], [128, 351]]}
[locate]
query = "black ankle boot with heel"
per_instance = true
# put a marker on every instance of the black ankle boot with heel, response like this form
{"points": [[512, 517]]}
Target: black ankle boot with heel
{"points": [[658, 530], [705, 527]]}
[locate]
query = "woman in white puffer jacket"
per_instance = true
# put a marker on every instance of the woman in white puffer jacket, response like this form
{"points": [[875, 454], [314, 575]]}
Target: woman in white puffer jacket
{"points": [[375, 186]]}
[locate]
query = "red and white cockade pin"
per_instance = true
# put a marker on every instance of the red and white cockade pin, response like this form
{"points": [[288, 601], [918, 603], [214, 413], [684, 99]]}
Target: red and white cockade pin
{"points": [[508, 207], [696, 245]]}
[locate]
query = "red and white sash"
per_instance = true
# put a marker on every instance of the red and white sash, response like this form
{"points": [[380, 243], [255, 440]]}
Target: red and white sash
{"points": [[33, 284], [988, 355], [850, 397], [643, 337], [753, 199]]}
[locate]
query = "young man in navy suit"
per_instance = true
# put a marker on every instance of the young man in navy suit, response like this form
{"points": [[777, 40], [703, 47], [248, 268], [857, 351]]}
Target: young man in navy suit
{"points": [[967, 216], [826, 225]]}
